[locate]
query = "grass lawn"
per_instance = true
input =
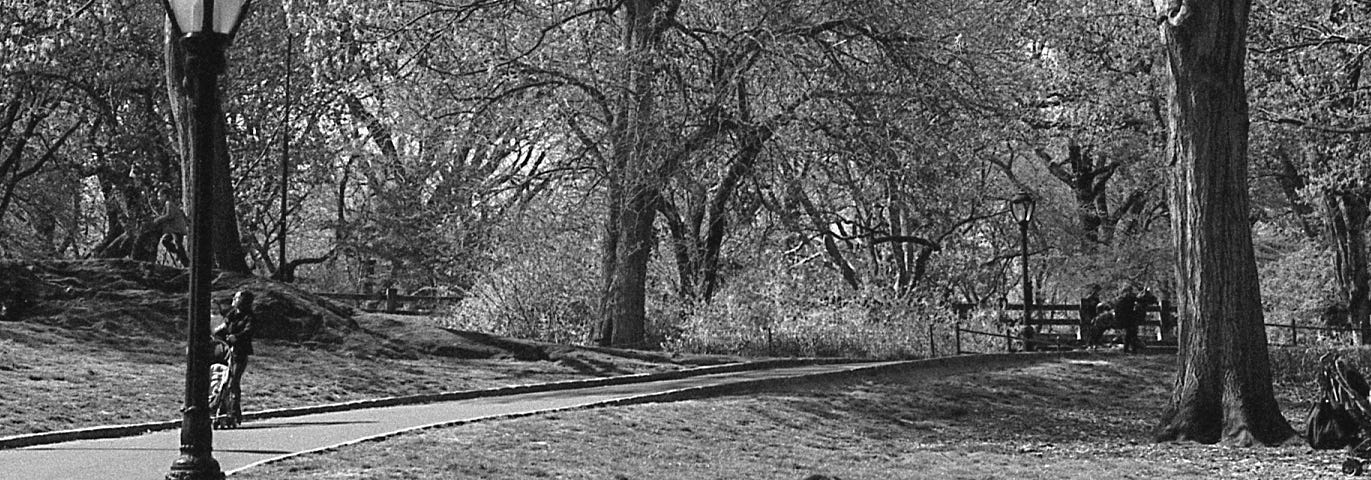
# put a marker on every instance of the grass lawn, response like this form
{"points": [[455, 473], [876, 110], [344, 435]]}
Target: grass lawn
{"points": [[101, 342], [54, 379], [98, 347], [1072, 419]]}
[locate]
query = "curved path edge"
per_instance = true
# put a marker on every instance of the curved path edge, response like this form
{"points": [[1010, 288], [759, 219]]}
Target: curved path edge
{"points": [[990, 360], [115, 431]]}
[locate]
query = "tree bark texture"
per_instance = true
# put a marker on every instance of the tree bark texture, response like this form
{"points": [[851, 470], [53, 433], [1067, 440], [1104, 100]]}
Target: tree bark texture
{"points": [[1223, 383], [636, 171], [1347, 214], [229, 253]]}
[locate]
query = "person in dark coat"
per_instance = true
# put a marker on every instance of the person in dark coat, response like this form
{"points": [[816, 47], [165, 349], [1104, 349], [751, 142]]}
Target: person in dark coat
{"points": [[1129, 316], [1147, 301], [237, 333], [1090, 307]]}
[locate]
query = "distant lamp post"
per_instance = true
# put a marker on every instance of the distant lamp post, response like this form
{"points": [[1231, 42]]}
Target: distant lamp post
{"points": [[1022, 206], [207, 28]]}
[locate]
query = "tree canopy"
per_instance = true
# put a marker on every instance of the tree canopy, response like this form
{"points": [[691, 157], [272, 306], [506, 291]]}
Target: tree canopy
{"points": [[658, 172]]}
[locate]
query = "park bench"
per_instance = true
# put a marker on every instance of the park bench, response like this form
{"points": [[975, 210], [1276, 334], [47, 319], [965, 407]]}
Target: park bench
{"points": [[1059, 326]]}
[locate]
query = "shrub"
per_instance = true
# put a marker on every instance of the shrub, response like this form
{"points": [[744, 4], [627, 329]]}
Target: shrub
{"points": [[775, 312], [542, 288], [1296, 286]]}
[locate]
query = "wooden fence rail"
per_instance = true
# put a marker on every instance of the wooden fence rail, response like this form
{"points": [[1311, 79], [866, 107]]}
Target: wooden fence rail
{"points": [[390, 300], [1057, 343]]}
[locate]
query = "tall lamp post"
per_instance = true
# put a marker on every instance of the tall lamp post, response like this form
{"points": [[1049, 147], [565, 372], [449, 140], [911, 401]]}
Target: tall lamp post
{"points": [[206, 28], [1022, 206]]}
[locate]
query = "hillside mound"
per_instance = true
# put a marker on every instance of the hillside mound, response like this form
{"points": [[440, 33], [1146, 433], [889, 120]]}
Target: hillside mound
{"points": [[113, 300], [131, 298]]}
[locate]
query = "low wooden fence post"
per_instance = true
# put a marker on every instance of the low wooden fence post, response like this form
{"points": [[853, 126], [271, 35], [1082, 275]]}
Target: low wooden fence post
{"points": [[957, 337], [1168, 320], [932, 347]]}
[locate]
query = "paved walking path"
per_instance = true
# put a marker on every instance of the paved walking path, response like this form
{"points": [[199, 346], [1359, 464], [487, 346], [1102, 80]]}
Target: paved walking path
{"points": [[149, 456]]}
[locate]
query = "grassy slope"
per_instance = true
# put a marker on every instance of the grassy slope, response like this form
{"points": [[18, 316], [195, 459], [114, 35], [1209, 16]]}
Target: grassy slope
{"points": [[88, 359], [99, 343], [50, 380], [1069, 420]]}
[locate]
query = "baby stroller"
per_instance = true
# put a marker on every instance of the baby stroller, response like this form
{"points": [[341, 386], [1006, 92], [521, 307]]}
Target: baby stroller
{"points": [[224, 405], [1342, 417]]}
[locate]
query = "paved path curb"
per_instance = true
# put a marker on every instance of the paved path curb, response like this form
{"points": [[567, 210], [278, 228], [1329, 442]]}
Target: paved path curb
{"points": [[990, 360], [115, 431], [275, 439]]}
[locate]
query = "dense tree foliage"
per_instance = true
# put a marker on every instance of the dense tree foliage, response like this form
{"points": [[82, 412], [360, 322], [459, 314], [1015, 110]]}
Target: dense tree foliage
{"points": [[660, 172]]}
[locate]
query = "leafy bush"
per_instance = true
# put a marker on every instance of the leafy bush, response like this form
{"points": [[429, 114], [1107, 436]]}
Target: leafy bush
{"points": [[775, 312], [1297, 286], [541, 288]]}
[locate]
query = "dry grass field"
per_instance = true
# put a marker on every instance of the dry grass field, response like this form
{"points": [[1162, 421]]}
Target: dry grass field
{"points": [[1071, 419], [98, 346], [55, 379]]}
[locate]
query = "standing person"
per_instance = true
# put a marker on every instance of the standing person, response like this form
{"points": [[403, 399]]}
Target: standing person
{"points": [[1146, 301], [175, 226], [1090, 307], [237, 333], [1168, 319], [1129, 316]]}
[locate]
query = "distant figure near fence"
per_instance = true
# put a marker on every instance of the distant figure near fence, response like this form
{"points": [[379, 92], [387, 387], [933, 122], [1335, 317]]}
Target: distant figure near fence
{"points": [[1027, 335], [1090, 307], [1129, 314], [1091, 317]]}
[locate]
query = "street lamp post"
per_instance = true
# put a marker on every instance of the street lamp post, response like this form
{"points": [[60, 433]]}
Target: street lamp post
{"points": [[1022, 207], [206, 28]]}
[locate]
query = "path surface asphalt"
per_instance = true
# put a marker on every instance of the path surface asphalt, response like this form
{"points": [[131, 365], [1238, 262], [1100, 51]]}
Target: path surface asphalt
{"points": [[149, 456]]}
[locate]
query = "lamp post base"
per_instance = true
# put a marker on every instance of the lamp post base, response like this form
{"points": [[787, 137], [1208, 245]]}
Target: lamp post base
{"points": [[191, 467]]}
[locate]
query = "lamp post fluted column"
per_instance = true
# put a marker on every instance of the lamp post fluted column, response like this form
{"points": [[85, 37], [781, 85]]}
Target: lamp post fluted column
{"points": [[1022, 207], [204, 29], [204, 63], [1027, 284]]}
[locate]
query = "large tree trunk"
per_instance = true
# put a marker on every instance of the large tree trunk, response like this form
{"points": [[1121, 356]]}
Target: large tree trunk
{"points": [[1092, 202], [1088, 177], [635, 177], [229, 253], [1347, 214], [1223, 384], [627, 300]]}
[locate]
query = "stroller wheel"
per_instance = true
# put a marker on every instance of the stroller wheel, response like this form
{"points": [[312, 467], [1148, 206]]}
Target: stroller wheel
{"points": [[224, 422], [1353, 466]]}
